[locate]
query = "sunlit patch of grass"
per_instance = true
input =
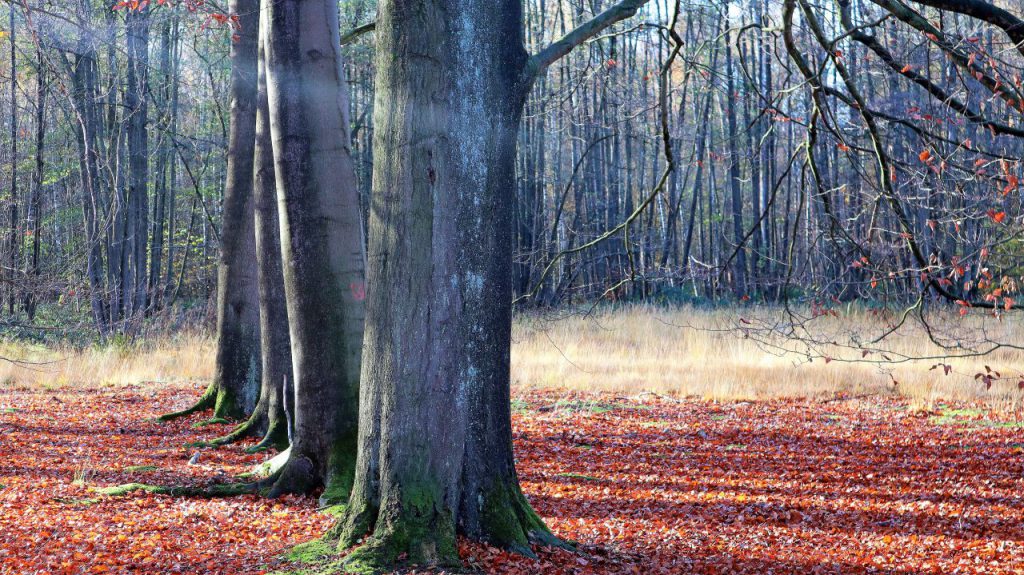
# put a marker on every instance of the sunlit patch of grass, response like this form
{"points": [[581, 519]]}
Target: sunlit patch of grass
{"points": [[699, 353], [179, 358], [684, 352], [972, 419], [587, 406]]}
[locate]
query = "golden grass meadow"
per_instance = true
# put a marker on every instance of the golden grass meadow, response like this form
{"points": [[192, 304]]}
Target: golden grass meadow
{"points": [[683, 352]]}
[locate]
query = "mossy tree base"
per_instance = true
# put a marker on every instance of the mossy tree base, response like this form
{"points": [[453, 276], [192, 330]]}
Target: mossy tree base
{"points": [[224, 404], [507, 520], [276, 436], [423, 536]]}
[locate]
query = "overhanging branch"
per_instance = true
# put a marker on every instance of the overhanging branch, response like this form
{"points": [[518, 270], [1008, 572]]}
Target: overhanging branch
{"points": [[549, 55], [356, 32]]}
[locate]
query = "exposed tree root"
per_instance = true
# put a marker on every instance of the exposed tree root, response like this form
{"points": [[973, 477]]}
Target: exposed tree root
{"points": [[297, 475], [211, 421], [269, 468], [209, 491], [241, 431], [276, 436], [207, 401]]}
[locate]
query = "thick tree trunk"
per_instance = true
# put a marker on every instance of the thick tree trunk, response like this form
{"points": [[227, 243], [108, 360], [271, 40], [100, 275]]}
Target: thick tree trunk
{"points": [[268, 418], [435, 451], [237, 369], [321, 240]]}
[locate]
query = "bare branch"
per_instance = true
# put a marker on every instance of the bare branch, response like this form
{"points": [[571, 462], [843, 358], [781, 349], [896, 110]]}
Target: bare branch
{"points": [[357, 32], [621, 11]]}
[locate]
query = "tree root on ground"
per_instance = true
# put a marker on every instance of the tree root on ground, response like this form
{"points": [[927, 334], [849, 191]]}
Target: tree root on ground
{"points": [[207, 401], [208, 491]]}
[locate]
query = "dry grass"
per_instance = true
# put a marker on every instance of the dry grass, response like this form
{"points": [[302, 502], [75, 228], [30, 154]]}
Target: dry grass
{"points": [[181, 358], [684, 353], [695, 353]]}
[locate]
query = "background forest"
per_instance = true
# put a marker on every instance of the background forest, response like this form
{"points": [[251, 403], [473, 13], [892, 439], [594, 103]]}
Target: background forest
{"points": [[114, 159]]}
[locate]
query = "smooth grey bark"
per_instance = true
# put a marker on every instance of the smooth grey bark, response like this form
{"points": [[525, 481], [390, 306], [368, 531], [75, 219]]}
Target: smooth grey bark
{"points": [[238, 345], [435, 437], [321, 241], [236, 381], [268, 417]]}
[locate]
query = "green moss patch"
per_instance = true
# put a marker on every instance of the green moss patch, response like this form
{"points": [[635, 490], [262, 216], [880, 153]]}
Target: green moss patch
{"points": [[211, 421], [972, 418], [140, 468], [596, 407], [579, 476]]}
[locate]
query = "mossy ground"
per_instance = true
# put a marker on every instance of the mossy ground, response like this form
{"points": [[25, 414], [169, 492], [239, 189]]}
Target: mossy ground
{"points": [[971, 418]]}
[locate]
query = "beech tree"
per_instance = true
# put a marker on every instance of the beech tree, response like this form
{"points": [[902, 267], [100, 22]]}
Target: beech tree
{"points": [[321, 241], [435, 435], [268, 417], [234, 390]]}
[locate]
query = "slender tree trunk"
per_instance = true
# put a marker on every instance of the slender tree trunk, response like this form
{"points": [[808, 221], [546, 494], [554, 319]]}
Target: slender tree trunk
{"points": [[12, 234], [136, 230], [736, 204], [83, 84], [172, 178], [321, 240], [163, 158], [35, 205]]}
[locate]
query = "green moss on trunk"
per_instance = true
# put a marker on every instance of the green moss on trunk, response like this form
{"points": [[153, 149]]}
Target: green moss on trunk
{"points": [[228, 405], [420, 532]]}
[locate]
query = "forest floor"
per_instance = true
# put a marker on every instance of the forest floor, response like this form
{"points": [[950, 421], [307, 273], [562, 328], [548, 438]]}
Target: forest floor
{"points": [[644, 484]]}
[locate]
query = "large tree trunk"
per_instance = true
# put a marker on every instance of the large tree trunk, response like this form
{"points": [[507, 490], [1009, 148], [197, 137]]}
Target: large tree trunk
{"points": [[321, 240], [235, 387], [268, 417], [435, 451]]}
